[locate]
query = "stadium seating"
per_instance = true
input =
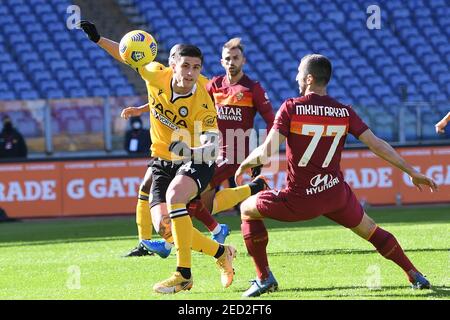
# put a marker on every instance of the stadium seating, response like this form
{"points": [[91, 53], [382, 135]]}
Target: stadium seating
{"points": [[371, 67], [407, 60], [51, 58]]}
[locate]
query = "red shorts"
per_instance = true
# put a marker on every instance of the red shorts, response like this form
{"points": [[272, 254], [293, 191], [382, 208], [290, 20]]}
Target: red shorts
{"points": [[222, 173], [284, 205]]}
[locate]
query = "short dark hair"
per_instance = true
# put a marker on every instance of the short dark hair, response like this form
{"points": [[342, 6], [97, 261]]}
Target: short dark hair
{"points": [[189, 50], [319, 67]]}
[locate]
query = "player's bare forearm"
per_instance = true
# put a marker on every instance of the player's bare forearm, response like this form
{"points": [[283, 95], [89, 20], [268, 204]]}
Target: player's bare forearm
{"points": [[254, 159], [143, 109], [134, 111], [111, 47], [440, 126], [385, 151]]}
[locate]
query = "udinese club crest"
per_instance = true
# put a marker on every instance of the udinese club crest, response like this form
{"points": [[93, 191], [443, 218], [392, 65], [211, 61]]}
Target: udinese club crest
{"points": [[183, 111]]}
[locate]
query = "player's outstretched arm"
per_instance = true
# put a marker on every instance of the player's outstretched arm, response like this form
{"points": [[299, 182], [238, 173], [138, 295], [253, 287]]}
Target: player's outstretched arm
{"points": [[385, 151], [260, 156], [129, 112], [440, 126], [106, 44]]}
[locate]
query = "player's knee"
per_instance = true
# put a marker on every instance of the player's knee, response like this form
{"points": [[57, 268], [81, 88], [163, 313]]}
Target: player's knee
{"points": [[172, 196], [178, 194], [246, 210]]}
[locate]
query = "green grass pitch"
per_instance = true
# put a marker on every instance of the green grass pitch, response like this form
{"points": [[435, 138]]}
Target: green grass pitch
{"points": [[81, 259]]}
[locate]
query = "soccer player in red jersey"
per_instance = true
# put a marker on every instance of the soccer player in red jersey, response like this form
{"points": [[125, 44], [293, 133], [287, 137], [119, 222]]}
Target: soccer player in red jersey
{"points": [[315, 127], [237, 98]]}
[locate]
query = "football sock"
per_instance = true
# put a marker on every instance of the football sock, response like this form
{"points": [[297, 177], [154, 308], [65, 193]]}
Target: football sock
{"points": [[256, 239], [227, 198], [185, 272], [182, 233], [257, 185], [220, 251], [143, 217], [388, 246], [202, 243], [198, 210]]}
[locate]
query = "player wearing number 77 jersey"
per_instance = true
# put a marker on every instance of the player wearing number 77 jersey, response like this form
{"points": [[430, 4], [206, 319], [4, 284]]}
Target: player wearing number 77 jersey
{"points": [[315, 127]]}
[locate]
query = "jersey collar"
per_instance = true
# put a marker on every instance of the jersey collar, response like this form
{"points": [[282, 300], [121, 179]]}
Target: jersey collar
{"points": [[174, 96]]}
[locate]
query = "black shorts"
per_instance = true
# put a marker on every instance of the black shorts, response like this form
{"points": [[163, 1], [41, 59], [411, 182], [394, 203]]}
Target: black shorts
{"points": [[164, 171]]}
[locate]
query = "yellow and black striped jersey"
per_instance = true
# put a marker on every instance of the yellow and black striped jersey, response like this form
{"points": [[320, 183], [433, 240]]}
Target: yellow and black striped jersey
{"points": [[173, 116]]}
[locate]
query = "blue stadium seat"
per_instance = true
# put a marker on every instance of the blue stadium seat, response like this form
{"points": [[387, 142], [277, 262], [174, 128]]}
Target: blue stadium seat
{"points": [[54, 94], [125, 91], [78, 93], [76, 126], [7, 95], [29, 95]]}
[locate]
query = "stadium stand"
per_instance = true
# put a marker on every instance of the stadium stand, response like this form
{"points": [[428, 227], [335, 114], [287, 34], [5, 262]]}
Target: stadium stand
{"points": [[406, 61]]}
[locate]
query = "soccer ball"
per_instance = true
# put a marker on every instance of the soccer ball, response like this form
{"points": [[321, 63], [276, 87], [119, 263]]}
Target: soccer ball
{"points": [[138, 48]]}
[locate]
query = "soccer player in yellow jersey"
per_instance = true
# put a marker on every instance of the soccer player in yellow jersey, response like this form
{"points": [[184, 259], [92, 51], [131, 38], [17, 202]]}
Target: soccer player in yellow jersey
{"points": [[185, 141], [162, 226], [196, 208]]}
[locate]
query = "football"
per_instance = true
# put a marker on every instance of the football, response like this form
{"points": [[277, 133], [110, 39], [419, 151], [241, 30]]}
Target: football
{"points": [[138, 48]]}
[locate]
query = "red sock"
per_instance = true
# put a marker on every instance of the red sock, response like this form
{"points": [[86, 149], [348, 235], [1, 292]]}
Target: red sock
{"points": [[256, 239], [197, 209], [388, 247]]}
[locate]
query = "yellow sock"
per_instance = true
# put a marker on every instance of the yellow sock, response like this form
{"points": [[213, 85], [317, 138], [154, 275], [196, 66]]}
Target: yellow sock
{"points": [[202, 243], [182, 233], [143, 217], [227, 198]]}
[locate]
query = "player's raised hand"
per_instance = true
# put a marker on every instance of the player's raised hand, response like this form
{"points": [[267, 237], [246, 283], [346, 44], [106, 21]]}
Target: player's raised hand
{"points": [[129, 112], [440, 127], [90, 30], [419, 179]]}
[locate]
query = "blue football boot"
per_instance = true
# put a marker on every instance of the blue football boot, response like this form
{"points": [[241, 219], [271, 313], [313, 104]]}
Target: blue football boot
{"points": [[139, 251], [259, 287], [156, 246], [222, 235], [420, 282]]}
